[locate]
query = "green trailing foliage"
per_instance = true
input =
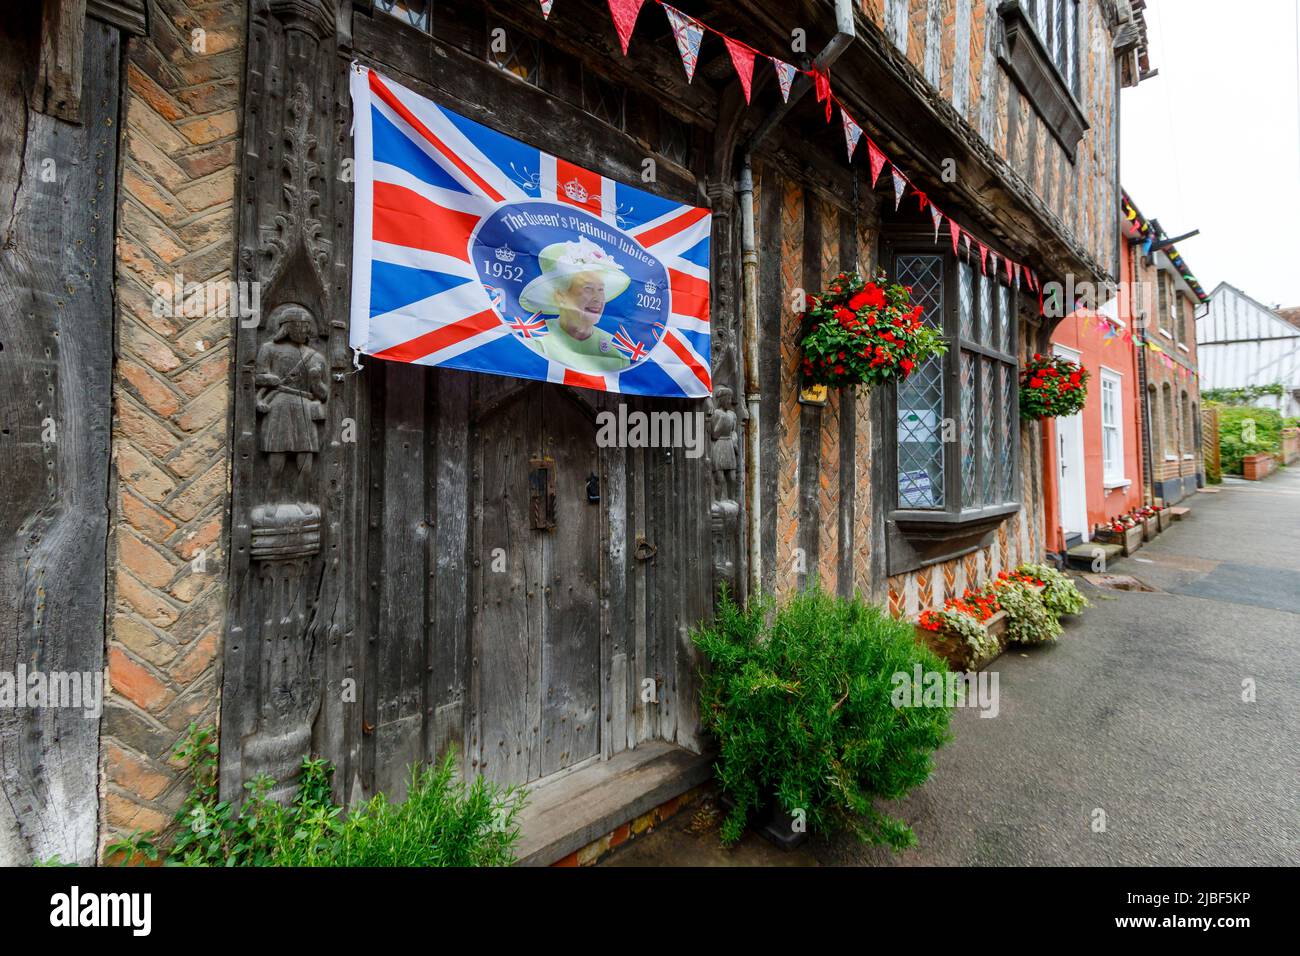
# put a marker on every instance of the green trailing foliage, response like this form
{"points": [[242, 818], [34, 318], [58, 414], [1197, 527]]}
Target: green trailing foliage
{"points": [[1060, 594], [442, 822], [1244, 395], [1029, 620], [799, 699]]}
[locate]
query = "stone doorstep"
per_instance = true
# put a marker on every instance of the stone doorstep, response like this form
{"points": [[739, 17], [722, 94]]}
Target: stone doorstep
{"points": [[1081, 556], [1181, 513], [576, 809]]}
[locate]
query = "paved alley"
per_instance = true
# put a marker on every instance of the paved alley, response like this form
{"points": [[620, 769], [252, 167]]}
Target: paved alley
{"points": [[1136, 711]]}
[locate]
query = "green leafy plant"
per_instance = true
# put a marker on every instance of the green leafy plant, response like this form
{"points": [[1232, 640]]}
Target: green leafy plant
{"points": [[1051, 386], [1244, 395], [1247, 430], [442, 822], [1060, 594], [799, 699], [863, 333], [1029, 621], [954, 622]]}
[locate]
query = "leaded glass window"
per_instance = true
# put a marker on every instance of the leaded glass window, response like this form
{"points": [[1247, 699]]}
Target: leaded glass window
{"points": [[516, 53], [412, 12], [957, 418], [920, 398], [1057, 24]]}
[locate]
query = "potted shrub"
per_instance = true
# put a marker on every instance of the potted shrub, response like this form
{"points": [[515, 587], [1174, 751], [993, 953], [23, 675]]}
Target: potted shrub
{"points": [[799, 698], [861, 333], [1051, 386]]}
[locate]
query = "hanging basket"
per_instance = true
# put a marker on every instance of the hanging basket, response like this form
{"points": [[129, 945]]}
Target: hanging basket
{"points": [[861, 333], [1051, 387]]}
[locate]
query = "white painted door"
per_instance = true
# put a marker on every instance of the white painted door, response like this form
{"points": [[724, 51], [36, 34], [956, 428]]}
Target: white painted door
{"points": [[1069, 463]]}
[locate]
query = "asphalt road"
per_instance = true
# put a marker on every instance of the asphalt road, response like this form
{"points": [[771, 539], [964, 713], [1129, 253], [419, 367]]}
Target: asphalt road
{"points": [[1136, 712]]}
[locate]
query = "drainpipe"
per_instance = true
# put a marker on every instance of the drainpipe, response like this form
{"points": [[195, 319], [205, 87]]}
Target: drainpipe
{"points": [[844, 35]]}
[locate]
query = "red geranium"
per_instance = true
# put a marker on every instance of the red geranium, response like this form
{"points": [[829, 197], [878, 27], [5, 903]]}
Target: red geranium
{"points": [[863, 332]]}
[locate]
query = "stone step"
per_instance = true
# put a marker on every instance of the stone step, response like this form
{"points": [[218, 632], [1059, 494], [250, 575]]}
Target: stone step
{"points": [[1083, 555], [1180, 513]]}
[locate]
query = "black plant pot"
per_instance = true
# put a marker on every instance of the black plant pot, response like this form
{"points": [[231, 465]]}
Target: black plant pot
{"points": [[772, 823]]}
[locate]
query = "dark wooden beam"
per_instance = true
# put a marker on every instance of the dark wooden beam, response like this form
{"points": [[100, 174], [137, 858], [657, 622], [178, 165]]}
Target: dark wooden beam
{"points": [[63, 32]]}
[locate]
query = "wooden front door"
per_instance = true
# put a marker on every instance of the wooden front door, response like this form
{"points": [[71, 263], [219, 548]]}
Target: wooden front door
{"points": [[536, 522]]}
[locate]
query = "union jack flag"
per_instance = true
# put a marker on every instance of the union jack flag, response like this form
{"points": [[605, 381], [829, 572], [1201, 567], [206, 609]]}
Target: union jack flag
{"points": [[624, 343], [473, 250], [529, 327]]}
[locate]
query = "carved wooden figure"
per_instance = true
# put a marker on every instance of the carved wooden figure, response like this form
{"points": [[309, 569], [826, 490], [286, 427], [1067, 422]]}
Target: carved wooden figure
{"points": [[292, 388]]}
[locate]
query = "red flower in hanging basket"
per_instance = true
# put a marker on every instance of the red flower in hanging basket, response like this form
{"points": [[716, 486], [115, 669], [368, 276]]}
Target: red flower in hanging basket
{"points": [[1051, 387], [863, 332]]}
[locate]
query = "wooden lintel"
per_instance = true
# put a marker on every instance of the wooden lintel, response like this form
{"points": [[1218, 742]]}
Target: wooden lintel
{"points": [[63, 33]]}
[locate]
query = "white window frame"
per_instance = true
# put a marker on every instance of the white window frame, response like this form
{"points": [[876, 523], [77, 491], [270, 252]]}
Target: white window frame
{"points": [[1113, 472]]}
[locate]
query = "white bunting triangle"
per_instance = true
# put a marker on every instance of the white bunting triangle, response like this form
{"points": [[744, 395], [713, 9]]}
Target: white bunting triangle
{"points": [[546, 8], [785, 74], [900, 184], [937, 216], [688, 32], [852, 132]]}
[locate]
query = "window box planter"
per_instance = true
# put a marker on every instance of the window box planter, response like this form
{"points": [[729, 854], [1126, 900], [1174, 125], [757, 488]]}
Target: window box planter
{"points": [[960, 655], [1150, 528], [1166, 517], [1130, 540]]}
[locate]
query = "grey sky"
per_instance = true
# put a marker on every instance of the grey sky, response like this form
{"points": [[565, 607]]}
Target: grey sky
{"points": [[1212, 143]]}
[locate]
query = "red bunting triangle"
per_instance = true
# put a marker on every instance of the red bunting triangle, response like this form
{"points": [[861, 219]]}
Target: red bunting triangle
{"points": [[877, 162], [742, 58], [1011, 278], [624, 13], [984, 254], [955, 231]]}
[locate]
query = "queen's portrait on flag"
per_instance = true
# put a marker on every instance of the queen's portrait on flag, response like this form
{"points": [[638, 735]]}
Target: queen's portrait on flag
{"points": [[578, 279]]}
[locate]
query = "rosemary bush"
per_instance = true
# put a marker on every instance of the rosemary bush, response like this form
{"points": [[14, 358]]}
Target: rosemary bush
{"points": [[799, 698]]}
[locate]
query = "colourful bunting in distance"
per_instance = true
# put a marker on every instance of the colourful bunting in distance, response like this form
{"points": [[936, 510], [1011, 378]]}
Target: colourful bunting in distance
{"points": [[688, 32], [852, 132], [785, 74], [877, 159], [937, 218], [625, 13], [742, 58], [546, 8], [900, 184]]}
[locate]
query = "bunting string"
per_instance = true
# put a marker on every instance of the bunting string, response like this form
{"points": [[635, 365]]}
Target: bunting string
{"points": [[689, 32]]}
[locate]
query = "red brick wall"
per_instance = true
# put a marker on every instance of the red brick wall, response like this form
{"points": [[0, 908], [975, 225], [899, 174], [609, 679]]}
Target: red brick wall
{"points": [[175, 215]]}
